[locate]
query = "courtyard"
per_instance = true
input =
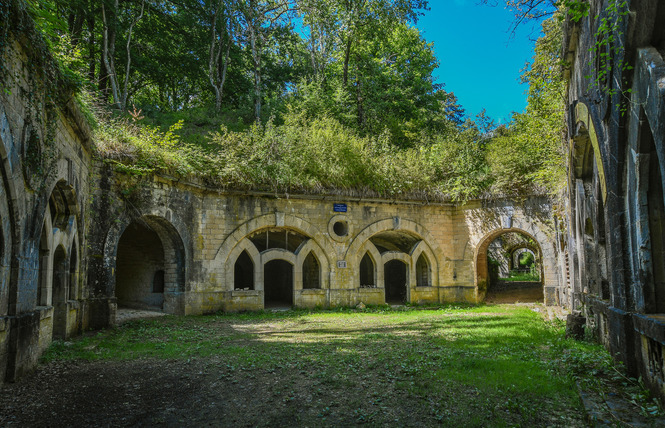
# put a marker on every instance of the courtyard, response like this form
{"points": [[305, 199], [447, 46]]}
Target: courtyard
{"points": [[459, 365]]}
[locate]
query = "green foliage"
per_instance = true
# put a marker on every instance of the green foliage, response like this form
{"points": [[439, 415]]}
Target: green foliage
{"points": [[353, 104], [526, 259], [522, 276], [529, 154]]}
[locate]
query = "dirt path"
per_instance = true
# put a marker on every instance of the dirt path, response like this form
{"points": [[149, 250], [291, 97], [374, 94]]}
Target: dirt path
{"points": [[515, 292]]}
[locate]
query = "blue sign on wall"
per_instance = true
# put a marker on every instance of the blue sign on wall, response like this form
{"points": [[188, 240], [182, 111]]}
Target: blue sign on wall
{"points": [[339, 208]]}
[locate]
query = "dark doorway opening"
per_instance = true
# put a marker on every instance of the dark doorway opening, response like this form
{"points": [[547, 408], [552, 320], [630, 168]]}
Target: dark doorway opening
{"points": [[140, 270], [395, 281], [278, 283], [60, 286], [243, 272], [311, 273], [367, 278]]}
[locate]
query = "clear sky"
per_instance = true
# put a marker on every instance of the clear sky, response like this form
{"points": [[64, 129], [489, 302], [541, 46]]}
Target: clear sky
{"points": [[479, 61]]}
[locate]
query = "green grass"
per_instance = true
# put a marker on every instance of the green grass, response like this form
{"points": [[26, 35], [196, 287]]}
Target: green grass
{"points": [[456, 365], [521, 277]]}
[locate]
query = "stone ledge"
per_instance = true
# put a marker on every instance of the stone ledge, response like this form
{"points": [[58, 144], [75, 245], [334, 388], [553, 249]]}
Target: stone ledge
{"points": [[44, 311], [244, 293], [313, 291], [650, 325]]}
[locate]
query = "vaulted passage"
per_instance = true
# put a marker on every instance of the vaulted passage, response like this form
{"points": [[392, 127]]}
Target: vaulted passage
{"points": [[278, 283], [511, 268], [139, 263], [656, 213], [395, 280]]}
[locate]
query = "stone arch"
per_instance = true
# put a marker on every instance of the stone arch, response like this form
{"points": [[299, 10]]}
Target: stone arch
{"points": [[278, 254], [63, 204], [368, 249], [586, 144], [422, 249], [311, 246], [397, 277], [644, 173], [548, 270], [423, 271], [589, 273], [45, 262], [9, 268], [74, 266], [516, 253], [245, 245], [279, 277], [394, 224], [175, 257], [60, 286], [244, 272], [59, 230], [311, 272], [279, 220]]}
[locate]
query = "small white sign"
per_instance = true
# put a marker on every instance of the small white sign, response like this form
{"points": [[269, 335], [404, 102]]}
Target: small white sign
{"points": [[341, 264]]}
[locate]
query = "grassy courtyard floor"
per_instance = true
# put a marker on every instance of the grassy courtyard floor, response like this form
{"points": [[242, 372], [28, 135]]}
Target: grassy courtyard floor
{"points": [[488, 365]]}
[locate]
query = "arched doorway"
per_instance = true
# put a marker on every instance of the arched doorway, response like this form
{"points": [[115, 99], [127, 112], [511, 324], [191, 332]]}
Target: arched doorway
{"points": [[311, 272], [510, 268], [243, 272], [140, 259], [60, 283], [395, 274], [278, 283], [367, 272], [423, 272]]}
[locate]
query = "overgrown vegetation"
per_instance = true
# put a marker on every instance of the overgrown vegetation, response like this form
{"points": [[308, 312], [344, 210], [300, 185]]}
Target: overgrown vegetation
{"points": [[307, 96], [455, 365]]}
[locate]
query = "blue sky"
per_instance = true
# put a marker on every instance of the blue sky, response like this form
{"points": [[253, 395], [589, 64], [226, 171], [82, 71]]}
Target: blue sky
{"points": [[479, 61]]}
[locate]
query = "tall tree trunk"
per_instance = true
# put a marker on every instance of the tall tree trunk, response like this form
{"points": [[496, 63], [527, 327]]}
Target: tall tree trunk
{"points": [[91, 41], [359, 98], [256, 61], [123, 100], [347, 54], [108, 50], [216, 68]]}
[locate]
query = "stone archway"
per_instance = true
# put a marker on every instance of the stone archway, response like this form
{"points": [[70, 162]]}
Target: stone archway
{"points": [[60, 283], [548, 267], [278, 283], [150, 266], [396, 274]]}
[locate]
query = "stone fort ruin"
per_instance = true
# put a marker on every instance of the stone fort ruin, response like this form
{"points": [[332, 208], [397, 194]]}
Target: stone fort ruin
{"points": [[74, 245]]}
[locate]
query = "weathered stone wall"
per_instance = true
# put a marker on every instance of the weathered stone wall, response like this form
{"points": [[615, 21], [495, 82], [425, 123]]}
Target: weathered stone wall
{"points": [[45, 165], [616, 131], [209, 231]]}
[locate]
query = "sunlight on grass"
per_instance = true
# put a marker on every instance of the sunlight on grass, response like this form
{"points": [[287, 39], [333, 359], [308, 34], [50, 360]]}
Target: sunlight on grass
{"points": [[478, 365]]}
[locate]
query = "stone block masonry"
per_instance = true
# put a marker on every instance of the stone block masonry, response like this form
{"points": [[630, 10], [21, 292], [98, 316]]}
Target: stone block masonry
{"points": [[219, 244]]}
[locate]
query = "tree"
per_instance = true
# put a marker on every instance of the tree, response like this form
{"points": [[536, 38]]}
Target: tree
{"points": [[110, 22], [222, 34], [258, 19], [529, 156]]}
